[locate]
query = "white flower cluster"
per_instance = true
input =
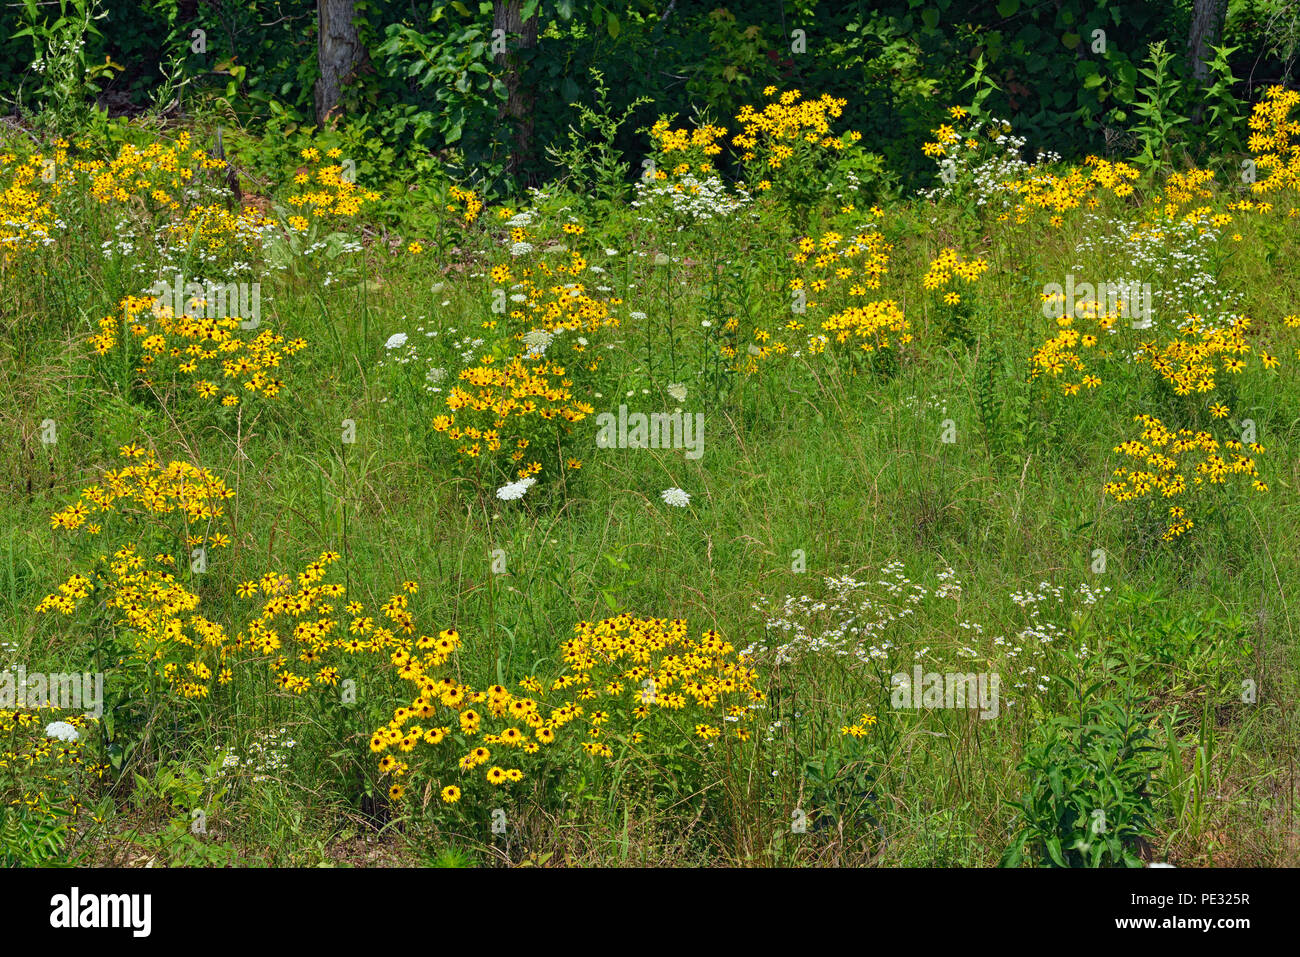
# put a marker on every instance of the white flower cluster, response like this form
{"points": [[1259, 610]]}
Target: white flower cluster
{"points": [[916, 403], [848, 622], [122, 245], [988, 177], [61, 731], [537, 341], [399, 350], [1038, 633], [1181, 251], [268, 753], [513, 491], [695, 199], [869, 621], [949, 584], [62, 52], [675, 497], [31, 233], [1091, 595]]}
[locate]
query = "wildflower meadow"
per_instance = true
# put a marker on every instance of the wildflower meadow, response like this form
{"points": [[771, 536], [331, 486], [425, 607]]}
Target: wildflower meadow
{"points": [[826, 460]]}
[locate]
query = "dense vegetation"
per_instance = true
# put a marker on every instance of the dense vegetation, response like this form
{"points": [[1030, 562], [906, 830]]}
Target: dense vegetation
{"points": [[796, 450]]}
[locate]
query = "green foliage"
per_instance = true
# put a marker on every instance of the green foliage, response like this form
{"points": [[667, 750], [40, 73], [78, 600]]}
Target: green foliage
{"points": [[1221, 121], [982, 86], [840, 782], [734, 65], [1089, 800], [836, 455], [181, 795], [1157, 118], [590, 165], [453, 857], [1194, 655], [431, 83], [454, 67], [1002, 400], [68, 81], [35, 839]]}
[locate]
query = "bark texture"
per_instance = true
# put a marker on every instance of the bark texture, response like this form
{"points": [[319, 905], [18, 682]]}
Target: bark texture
{"points": [[519, 34], [339, 52]]}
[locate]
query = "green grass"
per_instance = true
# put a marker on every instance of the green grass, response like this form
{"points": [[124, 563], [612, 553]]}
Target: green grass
{"points": [[847, 467]]}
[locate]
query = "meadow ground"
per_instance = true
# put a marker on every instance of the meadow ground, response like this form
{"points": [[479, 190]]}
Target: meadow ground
{"points": [[946, 559]]}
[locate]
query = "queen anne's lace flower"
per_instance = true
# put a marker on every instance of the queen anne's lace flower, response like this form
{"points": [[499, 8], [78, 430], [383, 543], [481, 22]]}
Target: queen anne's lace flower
{"points": [[675, 497], [515, 490], [62, 731]]}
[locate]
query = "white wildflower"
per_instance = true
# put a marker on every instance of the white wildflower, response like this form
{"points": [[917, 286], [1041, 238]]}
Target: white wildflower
{"points": [[675, 497], [62, 730], [515, 490]]}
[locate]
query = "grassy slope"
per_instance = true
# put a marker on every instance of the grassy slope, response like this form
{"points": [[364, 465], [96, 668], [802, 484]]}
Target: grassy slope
{"points": [[850, 469]]}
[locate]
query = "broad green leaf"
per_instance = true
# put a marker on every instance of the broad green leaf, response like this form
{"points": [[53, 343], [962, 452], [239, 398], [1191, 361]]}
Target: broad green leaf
{"points": [[1054, 851]]}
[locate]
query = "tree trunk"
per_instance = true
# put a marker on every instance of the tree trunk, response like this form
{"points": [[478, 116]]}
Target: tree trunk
{"points": [[338, 53], [518, 108], [1207, 23]]}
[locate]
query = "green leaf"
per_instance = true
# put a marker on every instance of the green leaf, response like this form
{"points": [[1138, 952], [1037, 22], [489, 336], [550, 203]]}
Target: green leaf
{"points": [[1008, 8], [1054, 851], [1054, 779]]}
